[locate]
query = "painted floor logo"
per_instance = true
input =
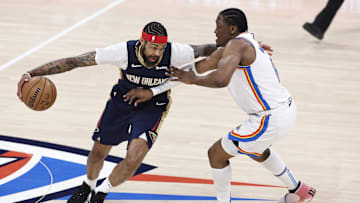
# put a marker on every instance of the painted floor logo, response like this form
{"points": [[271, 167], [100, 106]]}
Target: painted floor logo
{"points": [[11, 162], [35, 171]]}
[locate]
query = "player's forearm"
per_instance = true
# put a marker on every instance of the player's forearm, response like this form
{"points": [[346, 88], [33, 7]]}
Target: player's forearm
{"points": [[209, 63], [205, 65], [203, 50], [164, 87], [212, 80], [220, 77], [63, 65]]}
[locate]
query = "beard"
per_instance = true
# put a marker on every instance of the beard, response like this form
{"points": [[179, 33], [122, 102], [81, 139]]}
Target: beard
{"points": [[146, 59]]}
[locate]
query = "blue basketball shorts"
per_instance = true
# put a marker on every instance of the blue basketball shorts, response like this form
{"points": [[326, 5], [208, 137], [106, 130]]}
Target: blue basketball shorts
{"points": [[121, 121]]}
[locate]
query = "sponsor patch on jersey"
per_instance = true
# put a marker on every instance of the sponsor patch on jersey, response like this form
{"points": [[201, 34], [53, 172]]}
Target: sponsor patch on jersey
{"points": [[160, 67]]}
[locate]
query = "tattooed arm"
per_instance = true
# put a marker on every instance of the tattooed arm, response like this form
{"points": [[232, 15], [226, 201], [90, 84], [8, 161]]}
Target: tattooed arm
{"points": [[63, 65], [57, 66]]}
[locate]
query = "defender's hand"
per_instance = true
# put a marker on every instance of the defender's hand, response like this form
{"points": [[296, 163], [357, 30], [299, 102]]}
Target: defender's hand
{"points": [[24, 78], [138, 95], [187, 77], [267, 48]]}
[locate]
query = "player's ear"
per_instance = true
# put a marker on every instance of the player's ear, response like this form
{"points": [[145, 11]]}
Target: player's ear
{"points": [[142, 42], [233, 29]]}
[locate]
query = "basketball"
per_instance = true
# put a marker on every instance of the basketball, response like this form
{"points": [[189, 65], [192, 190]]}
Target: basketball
{"points": [[39, 93]]}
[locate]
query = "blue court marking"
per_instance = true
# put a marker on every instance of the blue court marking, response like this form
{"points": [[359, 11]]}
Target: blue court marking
{"points": [[26, 181], [142, 169], [38, 176], [143, 196]]}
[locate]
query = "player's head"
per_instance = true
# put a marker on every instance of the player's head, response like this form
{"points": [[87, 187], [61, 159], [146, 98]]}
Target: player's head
{"points": [[154, 41], [229, 23]]}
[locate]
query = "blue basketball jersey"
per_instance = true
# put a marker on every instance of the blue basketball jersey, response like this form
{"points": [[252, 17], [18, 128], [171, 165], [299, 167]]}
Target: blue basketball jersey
{"points": [[138, 75], [145, 119]]}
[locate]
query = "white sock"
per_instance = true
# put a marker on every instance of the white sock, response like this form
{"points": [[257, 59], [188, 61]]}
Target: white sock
{"points": [[104, 187], [91, 183], [277, 167], [222, 183]]}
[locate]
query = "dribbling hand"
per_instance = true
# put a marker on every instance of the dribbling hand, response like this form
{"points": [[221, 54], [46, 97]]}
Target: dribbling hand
{"points": [[24, 78], [138, 95]]}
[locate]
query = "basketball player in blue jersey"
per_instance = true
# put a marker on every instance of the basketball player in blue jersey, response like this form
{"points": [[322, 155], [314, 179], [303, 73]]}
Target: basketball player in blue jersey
{"points": [[142, 64], [252, 79]]}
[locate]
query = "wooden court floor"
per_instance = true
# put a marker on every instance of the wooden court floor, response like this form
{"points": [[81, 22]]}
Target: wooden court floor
{"points": [[322, 76]]}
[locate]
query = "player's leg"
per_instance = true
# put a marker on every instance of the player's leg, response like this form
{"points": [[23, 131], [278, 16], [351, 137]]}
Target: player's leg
{"points": [[111, 130], [145, 124], [272, 162], [95, 162], [280, 122], [221, 170], [126, 168], [298, 191], [136, 153], [94, 165]]}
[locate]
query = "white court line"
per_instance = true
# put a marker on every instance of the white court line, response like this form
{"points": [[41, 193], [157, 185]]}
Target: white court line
{"points": [[57, 36], [51, 182]]}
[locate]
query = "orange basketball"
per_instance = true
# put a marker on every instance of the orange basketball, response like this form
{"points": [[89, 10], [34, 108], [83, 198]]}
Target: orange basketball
{"points": [[39, 93]]}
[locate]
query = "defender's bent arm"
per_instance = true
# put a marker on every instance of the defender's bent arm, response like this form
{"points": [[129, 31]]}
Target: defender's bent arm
{"points": [[229, 61], [209, 63], [203, 49], [139, 95]]}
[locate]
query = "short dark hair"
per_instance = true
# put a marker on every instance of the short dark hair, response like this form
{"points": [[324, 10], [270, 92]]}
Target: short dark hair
{"points": [[155, 28], [235, 16]]}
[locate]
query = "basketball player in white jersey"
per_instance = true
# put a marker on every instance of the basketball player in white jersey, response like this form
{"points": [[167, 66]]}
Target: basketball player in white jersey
{"points": [[252, 79], [248, 72]]}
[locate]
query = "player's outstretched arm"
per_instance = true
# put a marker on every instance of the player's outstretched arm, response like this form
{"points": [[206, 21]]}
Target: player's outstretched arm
{"points": [[65, 64], [210, 62], [57, 66], [229, 61], [203, 49]]}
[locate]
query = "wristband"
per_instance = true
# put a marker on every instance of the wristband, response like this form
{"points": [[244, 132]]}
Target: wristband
{"points": [[28, 74], [155, 91]]}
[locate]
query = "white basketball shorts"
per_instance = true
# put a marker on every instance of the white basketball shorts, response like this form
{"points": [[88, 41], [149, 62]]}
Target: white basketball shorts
{"points": [[261, 130]]}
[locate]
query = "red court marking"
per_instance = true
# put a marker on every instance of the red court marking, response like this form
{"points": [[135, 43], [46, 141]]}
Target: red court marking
{"points": [[11, 168], [174, 179]]}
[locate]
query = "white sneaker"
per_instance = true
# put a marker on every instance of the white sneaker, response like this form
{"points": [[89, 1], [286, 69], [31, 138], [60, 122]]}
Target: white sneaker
{"points": [[303, 194], [290, 198]]}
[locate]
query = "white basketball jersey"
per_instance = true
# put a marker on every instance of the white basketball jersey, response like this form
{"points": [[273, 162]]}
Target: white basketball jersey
{"points": [[257, 87]]}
